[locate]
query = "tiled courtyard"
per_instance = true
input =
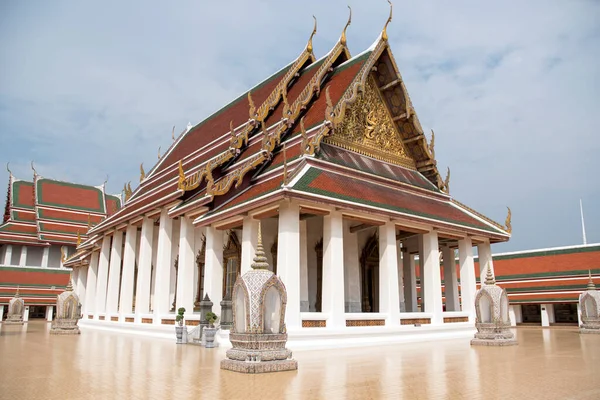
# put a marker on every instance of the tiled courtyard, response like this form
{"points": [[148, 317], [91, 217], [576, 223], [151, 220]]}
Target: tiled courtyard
{"points": [[547, 364]]}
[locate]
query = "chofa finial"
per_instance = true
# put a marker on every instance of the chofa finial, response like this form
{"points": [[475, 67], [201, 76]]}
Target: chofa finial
{"points": [[447, 181], [159, 152], [8, 169], [260, 260], [142, 172], [309, 45], [507, 222], [33, 168], [343, 38], [173, 133], [384, 34]]}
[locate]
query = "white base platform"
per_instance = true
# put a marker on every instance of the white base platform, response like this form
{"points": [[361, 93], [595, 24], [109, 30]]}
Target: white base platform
{"points": [[311, 338]]}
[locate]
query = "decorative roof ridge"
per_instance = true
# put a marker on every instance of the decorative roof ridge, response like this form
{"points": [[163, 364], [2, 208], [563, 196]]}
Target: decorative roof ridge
{"points": [[7, 209], [481, 216], [383, 180], [71, 210], [260, 114], [273, 139]]}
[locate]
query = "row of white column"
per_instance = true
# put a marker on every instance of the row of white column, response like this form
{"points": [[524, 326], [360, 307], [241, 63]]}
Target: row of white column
{"points": [[104, 295]]}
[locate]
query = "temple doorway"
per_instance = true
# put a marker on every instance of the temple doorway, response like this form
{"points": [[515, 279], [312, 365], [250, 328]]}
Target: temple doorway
{"points": [[565, 313], [369, 275], [531, 313]]}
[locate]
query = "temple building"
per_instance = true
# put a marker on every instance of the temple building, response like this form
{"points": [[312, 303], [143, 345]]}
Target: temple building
{"points": [[44, 220], [544, 285], [328, 153]]}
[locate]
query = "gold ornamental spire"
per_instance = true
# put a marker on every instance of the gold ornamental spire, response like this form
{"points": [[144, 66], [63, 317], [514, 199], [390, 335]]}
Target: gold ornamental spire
{"points": [[489, 277], [432, 145], [309, 45], [78, 238], [252, 109], [142, 172], [384, 34], [447, 181], [159, 152], [260, 260], [181, 183], [343, 39], [590, 284]]}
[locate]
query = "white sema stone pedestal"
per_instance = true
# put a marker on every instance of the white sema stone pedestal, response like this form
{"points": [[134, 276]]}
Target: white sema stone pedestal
{"points": [[258, 334], [492, 320], [589, 302]]}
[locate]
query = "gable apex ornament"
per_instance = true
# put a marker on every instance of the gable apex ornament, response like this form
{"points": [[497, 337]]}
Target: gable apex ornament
{"points": [[384, 34], [142, 172], [507, 222], [447, 181], [432, 145], [343, 38], [309, 45]]}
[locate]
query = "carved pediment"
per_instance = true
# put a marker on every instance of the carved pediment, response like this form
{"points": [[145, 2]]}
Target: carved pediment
{"points": [[368, 129]]}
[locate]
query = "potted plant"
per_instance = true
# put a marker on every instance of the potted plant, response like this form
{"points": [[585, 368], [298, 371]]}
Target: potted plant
{"points": [[210, 331], [179, 328]]}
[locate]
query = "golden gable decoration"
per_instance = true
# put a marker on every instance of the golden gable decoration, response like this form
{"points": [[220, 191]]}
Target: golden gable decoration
{"points": [[368, 129]]}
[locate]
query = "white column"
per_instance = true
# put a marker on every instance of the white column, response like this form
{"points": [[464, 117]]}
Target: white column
{"points": [[114, 274], [185, 269], [512, 315], [450, 279], [23, 259], [45, 257], [432, 277], [518, 313], [468, 284], [74, 279], [544, 312], [102, 280], [352, 301], [484, 251], [304, 303], [213, 268], [89, 304], [142, 291], [421, 273], [400, 266], [26, 314], [249, 240], [550, 310], [389, 300], [410, 281], [163, 268], [8, 254], [333, 269], [126, 298], [288, 260], [49, 310], [81, 283], [1, 311]]}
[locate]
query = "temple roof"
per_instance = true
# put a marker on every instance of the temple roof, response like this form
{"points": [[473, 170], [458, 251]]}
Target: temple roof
{"points": [[47, 211], [340, 119]]}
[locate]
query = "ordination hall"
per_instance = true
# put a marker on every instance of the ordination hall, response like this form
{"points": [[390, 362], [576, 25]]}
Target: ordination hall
{"points": [[357, 217]]}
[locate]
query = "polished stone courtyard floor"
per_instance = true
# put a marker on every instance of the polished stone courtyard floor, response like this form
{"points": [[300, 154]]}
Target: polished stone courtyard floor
{"points": [[547, 364]]}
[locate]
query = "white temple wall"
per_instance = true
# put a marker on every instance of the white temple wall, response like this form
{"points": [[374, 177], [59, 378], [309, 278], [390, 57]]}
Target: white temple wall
{"points": [[351, 269], [314, 233], [34, 256]]}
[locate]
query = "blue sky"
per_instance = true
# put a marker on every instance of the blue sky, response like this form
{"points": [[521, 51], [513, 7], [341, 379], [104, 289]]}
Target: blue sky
{"points": [[511, 89]]}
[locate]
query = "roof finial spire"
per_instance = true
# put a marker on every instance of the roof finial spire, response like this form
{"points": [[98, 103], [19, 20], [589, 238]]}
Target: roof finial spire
{"points": [[309, 45], [343, 39], [78, 238], [8, 169], [69, 287], [591, 285], [507, 222], [159, 152], [173, 133], [17, 293], [33, 168], [384, 35], [489, 277], [260, 260], [142, 172]]}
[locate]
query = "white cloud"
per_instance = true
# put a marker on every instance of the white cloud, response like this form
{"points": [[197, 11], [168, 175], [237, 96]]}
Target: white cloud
{"points": [[511, 89]]}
